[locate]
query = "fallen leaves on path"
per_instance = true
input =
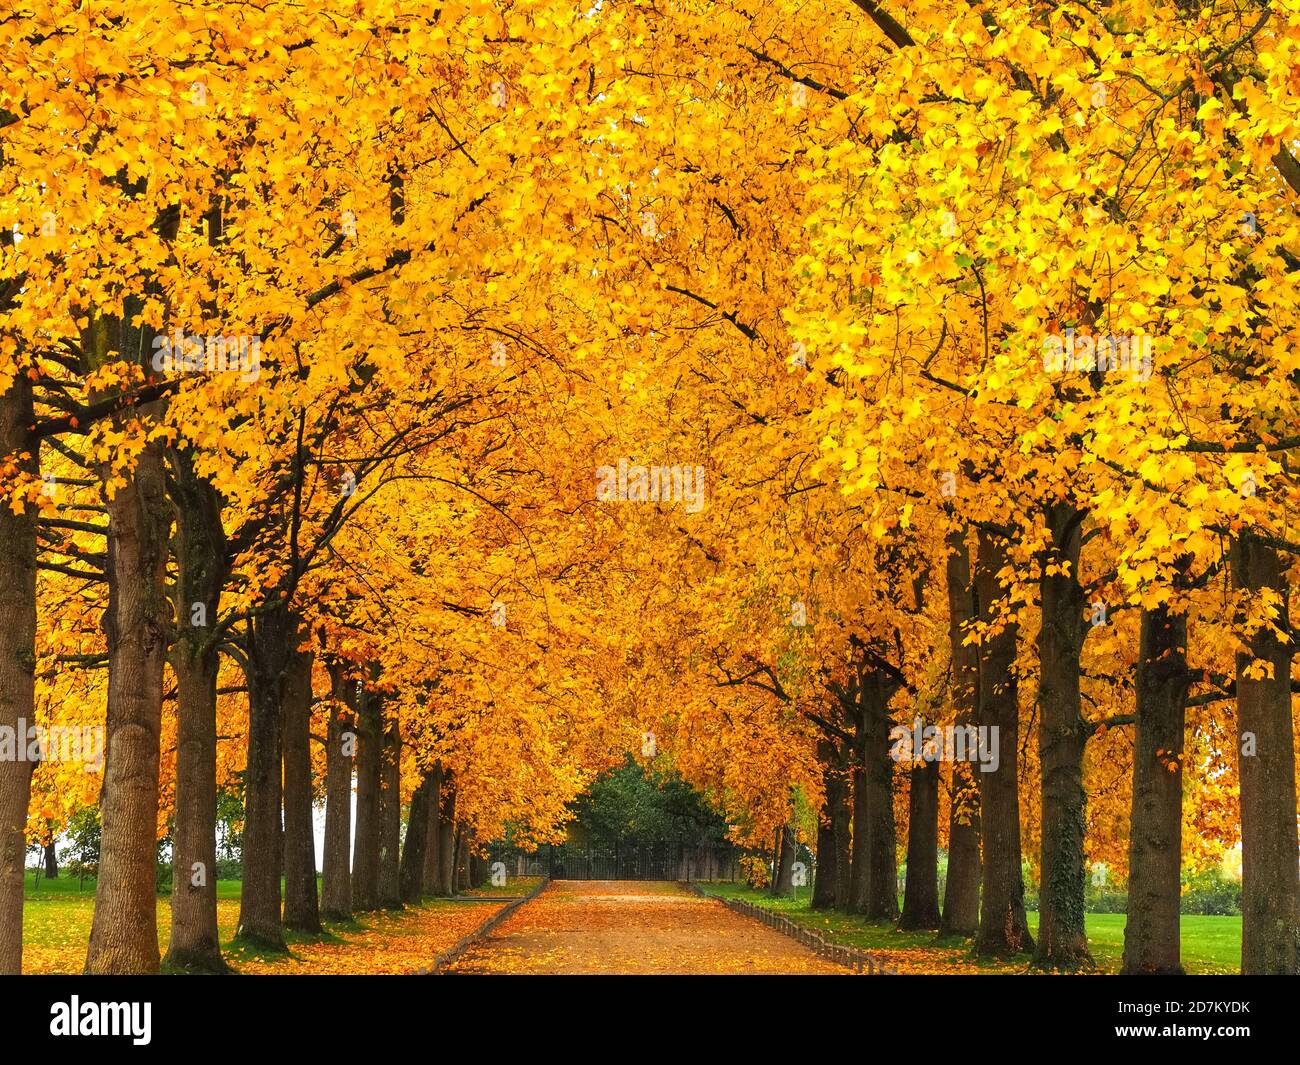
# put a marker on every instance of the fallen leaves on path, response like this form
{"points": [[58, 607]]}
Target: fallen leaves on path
{"points": [[635, 927]]}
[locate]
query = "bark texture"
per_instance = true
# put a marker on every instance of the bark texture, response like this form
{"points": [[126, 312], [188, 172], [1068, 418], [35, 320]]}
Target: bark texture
{"points": [[1003, 928], [1152, 930], [200, 575], [271, 635], [411, 874], [17, 669], [447, 839], [336, 875], [1270, 886], [390, 816], [365, 847], [124, 929], [961, 895], [783, 882], [825, 874], [1062, 938], [301, 903], [921, 890], [433, 842], [878, 770]]}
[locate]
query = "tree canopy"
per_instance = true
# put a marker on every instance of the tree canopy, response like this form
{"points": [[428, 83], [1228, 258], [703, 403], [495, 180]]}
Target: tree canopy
{"points": [[468, 396]]}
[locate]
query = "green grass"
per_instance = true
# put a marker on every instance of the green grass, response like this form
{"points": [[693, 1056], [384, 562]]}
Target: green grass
{"points": [[1210, 945], [61, 887], [57, 920], [65, 887], [512, 888]]}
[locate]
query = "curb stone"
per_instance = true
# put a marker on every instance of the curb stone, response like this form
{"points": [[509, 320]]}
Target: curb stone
{"points": [[443, 960], [850, 957]]}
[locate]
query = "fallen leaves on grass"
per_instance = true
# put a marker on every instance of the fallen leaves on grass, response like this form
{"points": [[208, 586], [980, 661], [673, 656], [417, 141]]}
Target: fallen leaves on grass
{"points": [[57, 932], [395, 943]]}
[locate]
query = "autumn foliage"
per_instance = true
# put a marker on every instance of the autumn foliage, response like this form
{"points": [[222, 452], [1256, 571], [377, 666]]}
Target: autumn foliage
{"points": [[451, 400]]}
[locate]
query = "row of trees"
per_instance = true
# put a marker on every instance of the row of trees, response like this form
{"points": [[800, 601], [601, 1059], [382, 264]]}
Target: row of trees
{"points": [[262, 473], [855, 266], [1031, 274]]}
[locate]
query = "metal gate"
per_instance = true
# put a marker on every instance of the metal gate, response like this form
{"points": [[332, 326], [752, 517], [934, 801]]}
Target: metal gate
{"points": [[630, 861]]}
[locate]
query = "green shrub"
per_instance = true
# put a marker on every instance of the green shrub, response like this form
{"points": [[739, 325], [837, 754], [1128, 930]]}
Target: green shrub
{"points": [[1031, 886], [1207, 893], [81, 870], [1106, 902], [1210, 892], [83, 832]]}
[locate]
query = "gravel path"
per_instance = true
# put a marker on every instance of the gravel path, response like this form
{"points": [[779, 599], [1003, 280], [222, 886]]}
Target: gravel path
{"points": [[634, 927]]}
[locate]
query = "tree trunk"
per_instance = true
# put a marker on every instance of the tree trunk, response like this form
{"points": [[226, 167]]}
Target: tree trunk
{"points": [[433, 843], [411, 874], [336, 877], [271, 639], [921, 892], [1062, 937], [124, 930], [783, 881], [17, 665], [200, 575], [842, 813], [859, 857], [447, 840], [462, 860], [478, 870], [301, 908], [137, 624], [1270, 887], [51, 861], [1151, 931], [365, 848], [390, 817], [1003, 928], [961, 896], [882, 841], [824, 880]]}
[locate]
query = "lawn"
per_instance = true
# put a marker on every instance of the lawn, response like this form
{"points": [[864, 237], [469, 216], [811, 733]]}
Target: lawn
{"points": [[57, 918], [69, 887], [1210, 945], [512, 888]]}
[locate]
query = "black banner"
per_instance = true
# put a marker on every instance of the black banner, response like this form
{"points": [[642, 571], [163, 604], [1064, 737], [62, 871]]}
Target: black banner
{"points": [[148, 1015]]}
